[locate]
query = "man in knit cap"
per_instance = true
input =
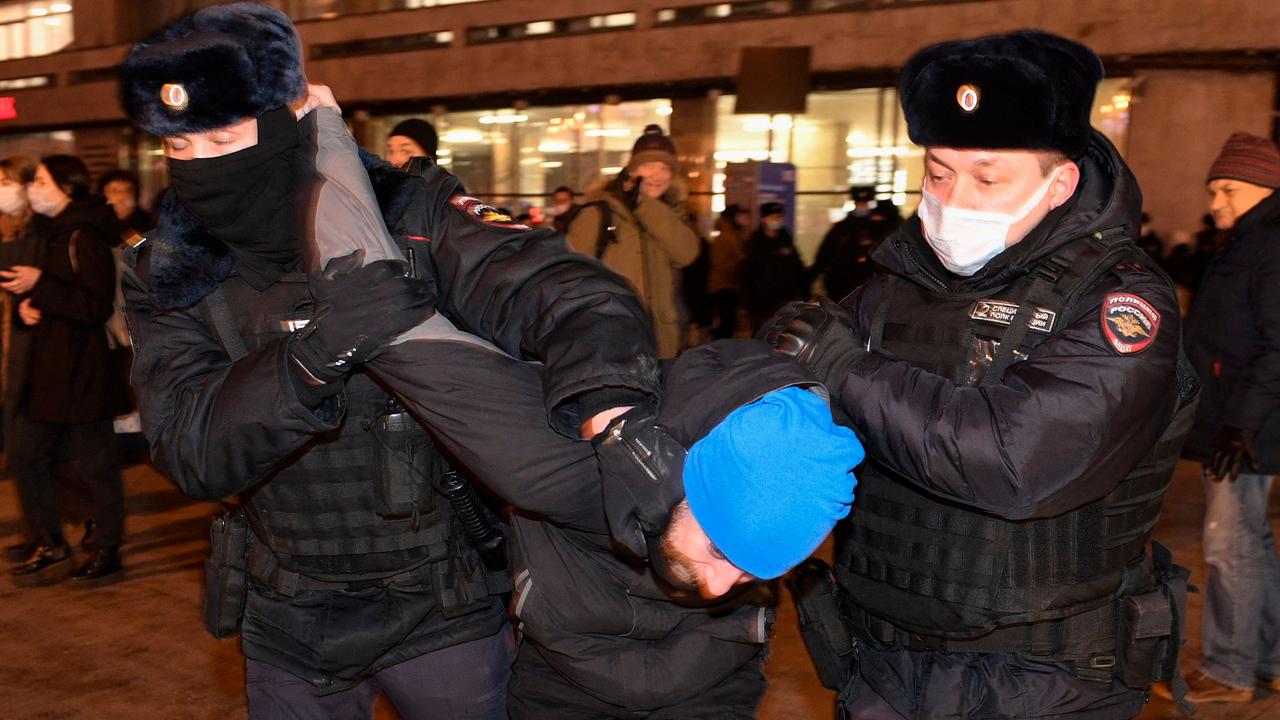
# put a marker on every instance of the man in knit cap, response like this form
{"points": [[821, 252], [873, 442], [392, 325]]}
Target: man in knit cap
{"points": [[1232, 341], [410, 139], [637, 225]]}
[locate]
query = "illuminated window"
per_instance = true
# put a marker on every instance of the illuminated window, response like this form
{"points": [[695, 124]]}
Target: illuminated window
{"points": [[328, 9], [34, 28], [514, 158]]}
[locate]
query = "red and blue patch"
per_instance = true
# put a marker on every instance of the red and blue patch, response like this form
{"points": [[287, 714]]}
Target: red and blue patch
{"points": [[1129, 322], [485, 214]]}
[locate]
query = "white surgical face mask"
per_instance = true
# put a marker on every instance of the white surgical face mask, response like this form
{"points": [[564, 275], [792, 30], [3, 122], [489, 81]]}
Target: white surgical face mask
{"points": [[46, 200], [12, 199], [966, 240]]}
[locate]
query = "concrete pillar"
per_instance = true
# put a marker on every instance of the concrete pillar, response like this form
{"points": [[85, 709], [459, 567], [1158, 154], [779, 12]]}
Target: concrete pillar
{"points": [[1177, 124], [693, 130]]}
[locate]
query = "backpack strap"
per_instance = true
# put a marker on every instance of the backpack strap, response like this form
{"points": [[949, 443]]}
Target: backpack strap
{"points": [[217, 312], [608, 233]]}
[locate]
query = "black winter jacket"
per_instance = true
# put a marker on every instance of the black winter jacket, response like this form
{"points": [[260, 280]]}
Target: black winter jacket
{"points": [[608, 625], [1063, 428], [1233, 338], [69, 376], [218, 427], [523, 290], [1068, 422]]}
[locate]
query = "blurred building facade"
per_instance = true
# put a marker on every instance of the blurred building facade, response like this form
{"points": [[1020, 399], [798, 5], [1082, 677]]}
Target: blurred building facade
{"points": [[531, 94]]}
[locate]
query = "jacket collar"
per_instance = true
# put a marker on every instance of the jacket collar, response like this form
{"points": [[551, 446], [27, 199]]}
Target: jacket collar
{"points": [[1266, 212]]}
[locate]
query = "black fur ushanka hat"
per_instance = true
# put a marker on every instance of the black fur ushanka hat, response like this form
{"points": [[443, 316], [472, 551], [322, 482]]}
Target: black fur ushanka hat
{"points": [[213, 68], [1028, 90]]}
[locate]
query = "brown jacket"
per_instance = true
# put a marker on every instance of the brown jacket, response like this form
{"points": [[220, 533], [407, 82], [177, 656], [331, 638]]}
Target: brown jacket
{"points": [[727, 253], [652, 242]]}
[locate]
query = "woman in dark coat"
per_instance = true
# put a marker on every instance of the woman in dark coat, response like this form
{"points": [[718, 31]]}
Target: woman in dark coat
{"points": [[69, 389]]}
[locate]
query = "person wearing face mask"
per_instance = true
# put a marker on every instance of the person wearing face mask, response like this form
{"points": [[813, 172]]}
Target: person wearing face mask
{"points": [[348, 568], [844, 258], [772, 272], [120, 189], [1015, 371], [69, 391], [17, 247], [563, 209], [636, 224]]}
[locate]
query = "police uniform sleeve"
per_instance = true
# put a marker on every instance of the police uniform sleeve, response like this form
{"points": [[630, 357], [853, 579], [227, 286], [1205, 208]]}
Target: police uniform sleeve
{"points": [[1258, 393], [215, 427], [527, 293], [1063, 428]]}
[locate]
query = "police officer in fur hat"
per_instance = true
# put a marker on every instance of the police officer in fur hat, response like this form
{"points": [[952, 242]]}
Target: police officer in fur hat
{"points": [[347, 559], [1015, 371], [844, 257]]}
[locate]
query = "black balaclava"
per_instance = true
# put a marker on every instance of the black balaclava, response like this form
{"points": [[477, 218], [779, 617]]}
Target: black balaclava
{"points": [[247, 199]]}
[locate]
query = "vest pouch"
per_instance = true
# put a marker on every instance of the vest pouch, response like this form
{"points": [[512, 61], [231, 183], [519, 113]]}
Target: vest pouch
{"points": [[826, 637], [406, 463], [225, 575], [1151, 626], [1145, 629], [459, 581]]}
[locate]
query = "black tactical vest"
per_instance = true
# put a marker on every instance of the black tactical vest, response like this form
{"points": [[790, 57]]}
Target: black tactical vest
{"points": [[327, 514], [916, 565], [358, 506]]}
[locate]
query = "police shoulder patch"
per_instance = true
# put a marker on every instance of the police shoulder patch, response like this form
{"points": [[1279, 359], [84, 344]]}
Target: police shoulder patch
{"points": [[1129, 322], [485, 214]]}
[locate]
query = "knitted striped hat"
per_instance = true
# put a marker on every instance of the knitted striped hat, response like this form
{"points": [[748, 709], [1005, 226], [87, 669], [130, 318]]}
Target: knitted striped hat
{"points": [[1249, 158]]}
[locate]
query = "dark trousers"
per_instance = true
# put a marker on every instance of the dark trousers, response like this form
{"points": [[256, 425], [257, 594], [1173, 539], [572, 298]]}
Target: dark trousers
{"points": [[725, 305], [92, 447], [464, 682], [899, 684], [539, 692]]}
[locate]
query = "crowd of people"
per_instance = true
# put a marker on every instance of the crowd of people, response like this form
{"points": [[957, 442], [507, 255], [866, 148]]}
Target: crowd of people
{"points": [[65, 358], [484, 468]]}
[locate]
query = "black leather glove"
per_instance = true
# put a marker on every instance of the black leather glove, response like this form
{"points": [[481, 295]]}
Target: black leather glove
{"points": [[1232, 452], [631, 188], [818, 335], [358, 312]]}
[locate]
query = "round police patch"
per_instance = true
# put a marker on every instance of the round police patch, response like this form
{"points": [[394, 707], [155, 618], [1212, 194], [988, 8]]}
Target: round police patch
{"points": [[1129, 322], [174, 96], [485, 214], [967, 97]]}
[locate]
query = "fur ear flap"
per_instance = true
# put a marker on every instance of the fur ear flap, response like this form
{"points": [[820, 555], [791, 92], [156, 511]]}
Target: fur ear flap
{"points": [[186, 262]]}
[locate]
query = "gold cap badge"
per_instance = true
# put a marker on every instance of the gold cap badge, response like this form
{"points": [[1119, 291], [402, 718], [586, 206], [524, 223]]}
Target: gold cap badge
{"points": [[968, 96], [174, 95]]}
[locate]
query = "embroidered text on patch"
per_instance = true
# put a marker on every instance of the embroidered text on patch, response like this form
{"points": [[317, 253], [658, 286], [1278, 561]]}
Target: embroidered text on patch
{"points": [[1129, 322], [483, 213], [1001, 312]]}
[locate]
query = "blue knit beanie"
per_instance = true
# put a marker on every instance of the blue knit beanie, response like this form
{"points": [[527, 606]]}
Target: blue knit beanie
{"points": [[770, 481]]}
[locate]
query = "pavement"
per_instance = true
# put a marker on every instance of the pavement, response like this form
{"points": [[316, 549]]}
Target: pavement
{"points": [[135, 648]]}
